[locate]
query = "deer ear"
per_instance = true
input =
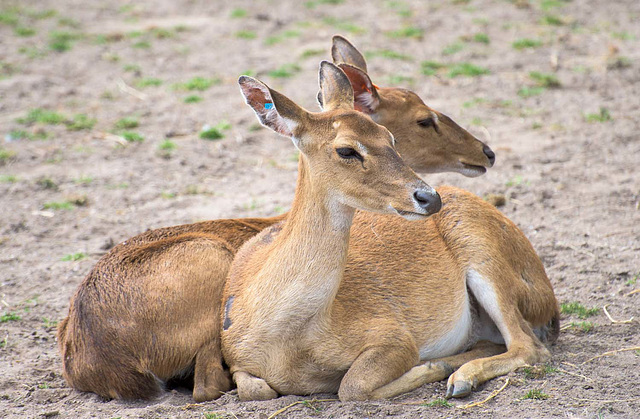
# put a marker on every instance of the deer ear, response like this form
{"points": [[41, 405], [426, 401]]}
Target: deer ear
{"points": [[335, 88], [342, 51], [274, 110], [365, 93]]}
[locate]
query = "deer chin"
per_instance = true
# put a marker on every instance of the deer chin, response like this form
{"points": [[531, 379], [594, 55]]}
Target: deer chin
{"points": [[411, 215], [471, 170]]}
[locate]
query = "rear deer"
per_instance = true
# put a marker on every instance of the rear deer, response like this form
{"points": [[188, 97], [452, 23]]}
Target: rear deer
{"points": [[306, 310]]}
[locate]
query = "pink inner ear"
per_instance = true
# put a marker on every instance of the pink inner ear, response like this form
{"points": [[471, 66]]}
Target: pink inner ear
{"points": [[257, 98]]}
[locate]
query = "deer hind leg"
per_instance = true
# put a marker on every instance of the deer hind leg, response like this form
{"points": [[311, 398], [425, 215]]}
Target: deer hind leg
{"points": [[435, 370], [251, 387], [210, 379], [523, 347]]}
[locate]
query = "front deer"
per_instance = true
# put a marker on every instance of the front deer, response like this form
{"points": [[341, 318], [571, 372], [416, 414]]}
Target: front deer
{"points": [[299, 319], [282, 322]]}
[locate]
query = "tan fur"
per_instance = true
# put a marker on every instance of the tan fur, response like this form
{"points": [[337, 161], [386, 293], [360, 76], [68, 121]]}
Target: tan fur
{"points": [[113, 364], [306, 313]]}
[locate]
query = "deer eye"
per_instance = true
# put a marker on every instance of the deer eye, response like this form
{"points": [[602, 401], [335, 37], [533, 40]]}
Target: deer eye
{"points": [[349, 153], [427, 122]]}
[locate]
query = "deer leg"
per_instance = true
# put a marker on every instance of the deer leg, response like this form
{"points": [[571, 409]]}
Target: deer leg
{"points": [[523, 347], [252, 388], [377, 366], [210, 379], [435, 370]]}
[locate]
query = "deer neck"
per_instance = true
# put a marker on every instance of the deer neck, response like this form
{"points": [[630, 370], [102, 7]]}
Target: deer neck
{"points": [[301, 277]]}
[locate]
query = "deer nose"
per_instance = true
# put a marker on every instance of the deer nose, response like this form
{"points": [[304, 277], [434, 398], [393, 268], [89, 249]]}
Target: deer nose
{"points": [[428, 200], [490, 154]]}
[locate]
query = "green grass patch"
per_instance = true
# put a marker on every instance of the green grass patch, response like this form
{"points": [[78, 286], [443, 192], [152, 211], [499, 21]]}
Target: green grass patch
{"points": [[538, 371], [550, 4], [192, 99], [624, 36], [285, 71], [83, 180], [132, 137], [215, 132], [535, 394], [389, 54], [578, 309], [9, 316], [131, 68], [167, 145], [74, 257], [552, 20], [515, 181], [525, 43], [276, 39], [312, 4], [633, 280], [545, 80], [61, 41], [399, 79], [430, 68], [238, 13], [142, 44], [344, 25], [80, 122], [198, 84], [47, 183], [42, 116], [58, 205], [8, 17], [148, 82], [128, 122], [526, 92], [453, 48], [467, 70], [42, 14], [312, 53], [407, 32], [8, 179], [245, 34], [162, 33], [67, 21], [481, 38], [6, 155], [584, 327], [473, 102], [24, 31], [602, 116], [439, 402]]}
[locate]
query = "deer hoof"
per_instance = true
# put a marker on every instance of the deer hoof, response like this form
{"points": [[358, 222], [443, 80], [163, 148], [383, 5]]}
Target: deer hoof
{"points": [[458, 389]]}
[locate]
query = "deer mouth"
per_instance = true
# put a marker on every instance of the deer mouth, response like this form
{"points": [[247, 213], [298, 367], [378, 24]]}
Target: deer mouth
{"points": [[411, 215], [471, 170]]}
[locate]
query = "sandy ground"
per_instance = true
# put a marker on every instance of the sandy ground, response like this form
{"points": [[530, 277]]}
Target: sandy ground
{"points": [[567, 159]]}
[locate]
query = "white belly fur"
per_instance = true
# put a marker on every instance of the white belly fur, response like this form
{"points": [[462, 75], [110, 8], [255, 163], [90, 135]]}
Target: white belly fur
{"points": [[453, 341]]}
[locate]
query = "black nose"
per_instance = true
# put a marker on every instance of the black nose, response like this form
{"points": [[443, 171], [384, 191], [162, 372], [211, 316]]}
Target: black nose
{"points": [[490, 154], [428, 201]]}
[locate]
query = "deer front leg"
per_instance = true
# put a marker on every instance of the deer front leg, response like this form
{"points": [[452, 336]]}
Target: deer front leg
{"points": [[376, 367], [210, 379], [252, 388], [435, 370]]}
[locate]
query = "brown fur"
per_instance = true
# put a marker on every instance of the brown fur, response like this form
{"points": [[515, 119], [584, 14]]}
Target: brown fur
{"points": [[125, 367]]}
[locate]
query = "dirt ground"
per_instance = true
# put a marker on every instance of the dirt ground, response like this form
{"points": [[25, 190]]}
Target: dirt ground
{"points": [[567, 147]]}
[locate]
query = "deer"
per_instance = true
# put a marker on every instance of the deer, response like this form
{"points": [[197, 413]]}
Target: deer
{"points": [[148, 311], [312, 305]]}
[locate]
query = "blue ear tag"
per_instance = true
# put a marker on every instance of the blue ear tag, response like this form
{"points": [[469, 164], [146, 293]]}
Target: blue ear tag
{"points": [[268, 105]]}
